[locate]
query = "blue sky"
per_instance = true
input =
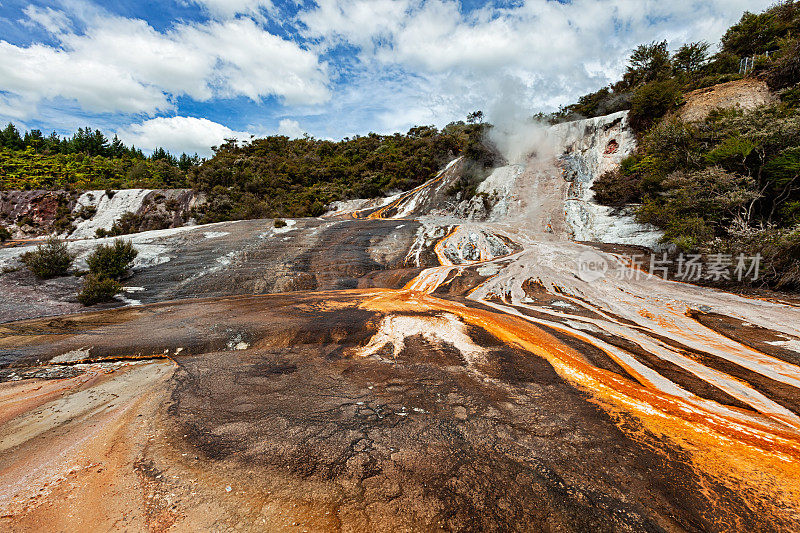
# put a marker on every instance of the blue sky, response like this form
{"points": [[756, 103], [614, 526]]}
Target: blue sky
{"points": [[184, 74]]}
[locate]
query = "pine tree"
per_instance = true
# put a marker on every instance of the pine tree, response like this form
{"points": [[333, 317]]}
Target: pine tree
{"points": [[10, 138]]}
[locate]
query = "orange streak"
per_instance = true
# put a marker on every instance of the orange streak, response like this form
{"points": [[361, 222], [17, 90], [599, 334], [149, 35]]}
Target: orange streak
{"points": [[604, 385]]}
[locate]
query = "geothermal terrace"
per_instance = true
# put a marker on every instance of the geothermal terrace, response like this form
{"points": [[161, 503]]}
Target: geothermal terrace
{"points": [[405, 364]]}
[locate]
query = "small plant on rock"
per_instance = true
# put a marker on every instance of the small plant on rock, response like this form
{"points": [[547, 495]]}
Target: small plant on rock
{"points": [[112, 260], [49, 260], [97, 289], [107, 265]]}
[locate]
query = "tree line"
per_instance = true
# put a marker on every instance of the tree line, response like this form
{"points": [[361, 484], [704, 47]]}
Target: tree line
{"points": [[269, 177], [656, 79], [89, 142], [86, 160], [281, 177]]}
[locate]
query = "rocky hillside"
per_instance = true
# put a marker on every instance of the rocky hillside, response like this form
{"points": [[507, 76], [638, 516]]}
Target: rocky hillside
{"points": [[73, 215], [745, 94]]}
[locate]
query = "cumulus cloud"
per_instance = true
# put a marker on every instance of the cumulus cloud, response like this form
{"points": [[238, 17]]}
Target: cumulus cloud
{"points": [[436, 35], [388, 64], [559, 50], [254, 63], [124, 65], [15, 107], [179, 134], [355, 21], [290, 128], [37, 72]]}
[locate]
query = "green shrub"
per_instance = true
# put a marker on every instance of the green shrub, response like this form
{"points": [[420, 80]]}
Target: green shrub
{"points": [[779, 250], [652, 101], [112, 260], [732, 152], [63, 225], [97, 289], [759, 33], [671, 144], [4, 234], [172, 204], [791, 98], [696, 206], [603, 102], [128, 223], [616, 189], [785, 72], [49, 260], [280, 223]]}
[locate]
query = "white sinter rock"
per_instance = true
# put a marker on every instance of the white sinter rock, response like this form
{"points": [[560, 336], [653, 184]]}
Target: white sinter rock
{"points": [[109, 210]]}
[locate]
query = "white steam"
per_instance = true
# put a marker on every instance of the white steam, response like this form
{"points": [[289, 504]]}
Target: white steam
{"points": [[516, 134]]}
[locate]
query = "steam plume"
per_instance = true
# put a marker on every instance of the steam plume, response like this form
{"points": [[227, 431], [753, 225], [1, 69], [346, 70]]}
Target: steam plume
{"points": [[516, 134]]}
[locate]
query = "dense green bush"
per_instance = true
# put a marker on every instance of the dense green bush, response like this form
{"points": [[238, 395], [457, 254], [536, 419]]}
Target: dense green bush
{"points": [[696, 205], [785, 71], [791, 98], [281, 177], [128, 223], [616, 189], [49, 260], [29, 169], [107, 265], [4, 234], [98, 289], [759, 33], [87, 160], [779, 249], [112, 260], [652, 101], [730, 184], [649, 63], [132, 223]]}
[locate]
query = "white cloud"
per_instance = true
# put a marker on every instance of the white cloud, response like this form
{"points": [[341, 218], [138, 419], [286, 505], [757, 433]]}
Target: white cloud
{"points": [[416, 61], [124, 65], [229, 8], [355, 21], [290, 128], [254, 63], [179, 134], [15, 108], [39, 72], [48, 18], [557, 50]]}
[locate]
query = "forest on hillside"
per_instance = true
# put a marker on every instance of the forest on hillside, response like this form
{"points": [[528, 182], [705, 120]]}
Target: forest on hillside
{"points": [[727, 185], [86, 160], [271, 177], [278, 176]]}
